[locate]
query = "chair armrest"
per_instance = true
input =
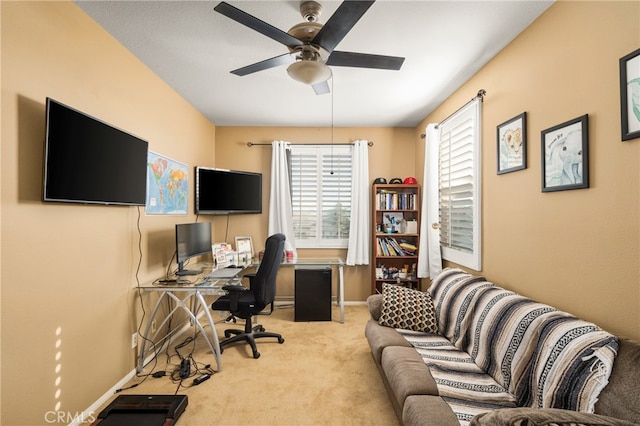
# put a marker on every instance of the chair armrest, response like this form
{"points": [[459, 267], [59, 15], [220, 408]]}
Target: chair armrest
{"points": [[234, 288], [250, 277], [233, 291]]}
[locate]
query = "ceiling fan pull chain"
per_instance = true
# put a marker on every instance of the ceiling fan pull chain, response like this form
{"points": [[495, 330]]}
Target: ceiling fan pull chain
{"points": [[332, 92]]}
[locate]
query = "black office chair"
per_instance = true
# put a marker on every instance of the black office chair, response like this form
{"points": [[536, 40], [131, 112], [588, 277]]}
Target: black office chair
{"points": [[245, 302]]}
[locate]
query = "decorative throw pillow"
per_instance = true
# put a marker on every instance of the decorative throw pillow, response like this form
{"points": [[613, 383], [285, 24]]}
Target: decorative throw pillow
{"points": [[407, 308]]}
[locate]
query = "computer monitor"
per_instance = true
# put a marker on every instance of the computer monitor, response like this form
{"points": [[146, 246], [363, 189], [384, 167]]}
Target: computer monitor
{"points": [[192, 239]]}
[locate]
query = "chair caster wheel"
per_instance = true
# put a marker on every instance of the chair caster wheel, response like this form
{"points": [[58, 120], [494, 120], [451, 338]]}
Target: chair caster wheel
{"points": [[221, 350], [227, 334], [280, 340], [256, 355], [261, 329]]}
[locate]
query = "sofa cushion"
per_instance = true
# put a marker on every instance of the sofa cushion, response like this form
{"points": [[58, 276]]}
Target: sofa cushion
{"points": [[374, 303], [380, 337], [407, 308], [419, 410], [543, 416], [455, 373], [620, 398], [406, 373]]}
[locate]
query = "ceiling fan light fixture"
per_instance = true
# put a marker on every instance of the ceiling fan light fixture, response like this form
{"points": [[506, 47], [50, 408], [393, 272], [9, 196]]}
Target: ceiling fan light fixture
{"points": [[309, 72]]}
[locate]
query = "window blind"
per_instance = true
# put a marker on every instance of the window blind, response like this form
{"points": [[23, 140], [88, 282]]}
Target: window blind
{"points": [[459, 186], [321, 195]]}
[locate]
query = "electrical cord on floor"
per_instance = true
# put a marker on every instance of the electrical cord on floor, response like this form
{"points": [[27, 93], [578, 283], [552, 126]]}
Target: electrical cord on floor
{"points": [[137, 276], [189, 367]]}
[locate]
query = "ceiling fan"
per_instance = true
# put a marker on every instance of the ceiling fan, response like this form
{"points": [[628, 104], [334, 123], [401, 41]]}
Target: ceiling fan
{"points": [[311, 44]]}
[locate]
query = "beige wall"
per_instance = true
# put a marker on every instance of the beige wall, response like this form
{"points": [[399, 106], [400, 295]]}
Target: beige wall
{"points": [[74, 266], [577, 250], [392, 155]]}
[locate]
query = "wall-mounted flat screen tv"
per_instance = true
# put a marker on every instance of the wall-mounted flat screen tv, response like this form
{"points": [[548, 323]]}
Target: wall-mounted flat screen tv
{"points": [[221, 191], [89, 161]]}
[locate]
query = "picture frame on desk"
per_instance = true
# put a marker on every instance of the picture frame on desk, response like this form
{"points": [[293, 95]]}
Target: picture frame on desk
{"points": [[244, 245], [220, 253]]}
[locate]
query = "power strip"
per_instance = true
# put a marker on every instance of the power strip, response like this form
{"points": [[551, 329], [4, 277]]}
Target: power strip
{"points": [[201, 379]]}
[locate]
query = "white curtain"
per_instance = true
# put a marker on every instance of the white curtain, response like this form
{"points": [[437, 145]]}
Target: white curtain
{"points": [[429, 255], [359, 231], [280, 210]]}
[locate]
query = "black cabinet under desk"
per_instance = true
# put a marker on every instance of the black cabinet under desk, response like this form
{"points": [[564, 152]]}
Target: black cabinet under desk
{"points": [[312, 294]]}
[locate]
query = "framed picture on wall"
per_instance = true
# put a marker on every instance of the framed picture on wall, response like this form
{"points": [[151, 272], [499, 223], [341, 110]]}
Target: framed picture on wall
{"points": [[630, 95], [565, 155], [512, 144]]}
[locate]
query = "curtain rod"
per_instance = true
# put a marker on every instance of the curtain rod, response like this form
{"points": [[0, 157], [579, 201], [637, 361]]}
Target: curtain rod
{"points": [[250, 144], [481, 94]]}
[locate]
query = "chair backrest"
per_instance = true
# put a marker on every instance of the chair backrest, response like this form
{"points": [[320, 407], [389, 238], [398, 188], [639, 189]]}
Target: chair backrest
{"points": [[264, 284]]}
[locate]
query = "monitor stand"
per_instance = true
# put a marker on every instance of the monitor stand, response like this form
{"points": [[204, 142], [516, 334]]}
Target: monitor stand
{"points": [[184, 272]]}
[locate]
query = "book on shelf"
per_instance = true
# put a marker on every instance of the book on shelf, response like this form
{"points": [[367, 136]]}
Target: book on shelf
{"points": [[391, 200], [389, 246], [407, 246]]}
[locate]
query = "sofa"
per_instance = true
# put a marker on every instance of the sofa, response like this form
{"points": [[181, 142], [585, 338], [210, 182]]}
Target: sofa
{"points": [[467, 352]]}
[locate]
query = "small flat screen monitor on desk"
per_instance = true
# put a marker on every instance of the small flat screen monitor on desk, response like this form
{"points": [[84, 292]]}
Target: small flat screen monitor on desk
{"points": [[192, 239]]}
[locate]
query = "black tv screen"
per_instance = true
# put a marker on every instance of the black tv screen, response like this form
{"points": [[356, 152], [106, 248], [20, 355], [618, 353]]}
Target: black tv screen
{"points": [[192, 239], [220, 191], [89, 161]]}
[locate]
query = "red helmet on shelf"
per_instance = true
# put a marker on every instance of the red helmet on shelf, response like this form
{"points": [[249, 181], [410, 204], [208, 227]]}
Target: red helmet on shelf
{"points": [[410, 180]]}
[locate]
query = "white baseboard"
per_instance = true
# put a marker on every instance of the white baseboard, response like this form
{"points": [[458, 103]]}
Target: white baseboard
{"points": [[288, 300]]}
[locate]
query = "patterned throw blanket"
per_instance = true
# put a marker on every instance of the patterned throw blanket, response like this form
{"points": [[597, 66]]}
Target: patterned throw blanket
{"points": [[498, 349]]}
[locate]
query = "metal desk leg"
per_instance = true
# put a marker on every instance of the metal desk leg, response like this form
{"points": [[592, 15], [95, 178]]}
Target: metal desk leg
{"points": [[341, 292], [182, 304], [215, 349], [145, 336], [216, 343]]}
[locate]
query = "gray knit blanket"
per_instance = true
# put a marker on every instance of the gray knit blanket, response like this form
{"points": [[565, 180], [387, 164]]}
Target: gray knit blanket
{"points": [[497, 349]]}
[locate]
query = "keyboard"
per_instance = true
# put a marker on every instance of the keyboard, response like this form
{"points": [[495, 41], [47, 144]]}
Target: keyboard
{"points": [[224, 273]]}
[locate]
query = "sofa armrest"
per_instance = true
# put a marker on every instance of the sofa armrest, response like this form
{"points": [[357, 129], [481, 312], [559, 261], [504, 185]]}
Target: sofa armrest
{"points": [[543, 416], [374, 303], [620, 398]]}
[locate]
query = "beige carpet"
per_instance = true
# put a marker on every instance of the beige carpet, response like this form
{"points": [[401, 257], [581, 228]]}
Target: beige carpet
{"points": [[323, 374]]}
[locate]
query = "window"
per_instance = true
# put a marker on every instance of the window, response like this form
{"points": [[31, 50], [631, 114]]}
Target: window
{"points": [[459, 186], [321, 195]]}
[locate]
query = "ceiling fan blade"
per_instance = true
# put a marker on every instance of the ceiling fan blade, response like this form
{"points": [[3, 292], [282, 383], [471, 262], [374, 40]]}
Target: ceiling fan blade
{"points": [[256, 24], [287, 58], [321, 88], [364, 60], [340, 23]]}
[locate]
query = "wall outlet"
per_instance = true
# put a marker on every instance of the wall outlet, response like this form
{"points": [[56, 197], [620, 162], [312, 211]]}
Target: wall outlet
{"points": [[134, 340]]}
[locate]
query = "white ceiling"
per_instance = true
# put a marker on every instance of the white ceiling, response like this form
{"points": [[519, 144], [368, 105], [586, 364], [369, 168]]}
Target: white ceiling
{"points": [[193, 48]]}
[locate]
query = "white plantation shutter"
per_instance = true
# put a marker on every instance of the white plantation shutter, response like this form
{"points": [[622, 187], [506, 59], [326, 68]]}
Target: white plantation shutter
{"points": [[321, 200], [459, 185]]}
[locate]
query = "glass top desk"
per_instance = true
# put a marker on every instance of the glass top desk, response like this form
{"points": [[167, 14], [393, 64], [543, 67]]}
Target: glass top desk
{"points": [[188, 294]]}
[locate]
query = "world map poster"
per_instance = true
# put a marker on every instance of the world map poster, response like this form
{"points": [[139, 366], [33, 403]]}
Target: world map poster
{"points": [[167, 185]]}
